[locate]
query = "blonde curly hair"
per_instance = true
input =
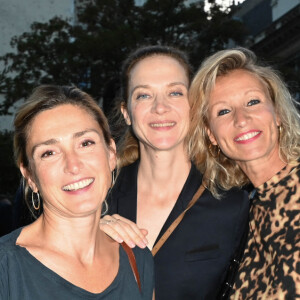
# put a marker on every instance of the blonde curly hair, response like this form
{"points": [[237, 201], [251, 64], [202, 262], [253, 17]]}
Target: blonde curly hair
{"points": [[221, 171]]}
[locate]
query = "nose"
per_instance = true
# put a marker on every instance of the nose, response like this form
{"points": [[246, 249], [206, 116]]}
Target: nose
{"points": [[240, 117], [160, 105], [73, 164]]}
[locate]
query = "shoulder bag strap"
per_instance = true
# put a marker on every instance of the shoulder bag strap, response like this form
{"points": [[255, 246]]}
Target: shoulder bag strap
{"points": [[132, 262], [177, 221]]}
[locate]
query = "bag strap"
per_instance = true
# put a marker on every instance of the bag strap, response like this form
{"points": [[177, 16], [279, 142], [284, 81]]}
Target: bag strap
{"points": [[172, 227], [233, 268], [132, 262]]}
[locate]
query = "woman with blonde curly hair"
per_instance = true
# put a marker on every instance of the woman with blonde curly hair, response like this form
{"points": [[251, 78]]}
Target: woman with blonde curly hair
{"points": [[246, 128]]}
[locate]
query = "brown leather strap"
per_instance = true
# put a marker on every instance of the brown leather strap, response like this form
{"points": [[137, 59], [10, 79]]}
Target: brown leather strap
{"points": [[177, 221], [132, 262]]}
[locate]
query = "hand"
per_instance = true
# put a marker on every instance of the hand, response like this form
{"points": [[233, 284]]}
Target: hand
{"points": [[121, 229]]}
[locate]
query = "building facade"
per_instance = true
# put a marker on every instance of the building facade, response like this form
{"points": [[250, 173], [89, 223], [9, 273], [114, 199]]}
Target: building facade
{"points": [[274, 34]]}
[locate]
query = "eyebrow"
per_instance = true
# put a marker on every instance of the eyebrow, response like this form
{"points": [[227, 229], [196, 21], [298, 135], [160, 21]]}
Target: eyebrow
{"points": [[56, 141], [145, 86]]}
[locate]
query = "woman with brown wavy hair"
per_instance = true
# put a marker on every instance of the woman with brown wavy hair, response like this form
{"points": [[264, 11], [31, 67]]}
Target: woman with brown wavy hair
{"points": [[157, 181]]}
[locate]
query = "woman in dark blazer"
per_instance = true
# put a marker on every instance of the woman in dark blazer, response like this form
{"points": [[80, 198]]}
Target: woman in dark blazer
{"points": [[193, 261], [157, 180]]}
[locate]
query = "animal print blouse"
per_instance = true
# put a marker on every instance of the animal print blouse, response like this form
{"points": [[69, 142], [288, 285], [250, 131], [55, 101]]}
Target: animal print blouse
{"points": [[270, 268]]}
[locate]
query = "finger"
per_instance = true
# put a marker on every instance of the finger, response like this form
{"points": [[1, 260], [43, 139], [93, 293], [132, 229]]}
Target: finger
{"points": [[137, 234], [109, 230], [118, 227]]}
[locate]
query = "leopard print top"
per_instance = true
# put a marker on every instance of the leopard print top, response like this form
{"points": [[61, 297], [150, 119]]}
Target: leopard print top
{"points": [[270, 267]]}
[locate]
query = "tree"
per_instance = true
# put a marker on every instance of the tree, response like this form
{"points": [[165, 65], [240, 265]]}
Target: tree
{"points": [[90, 53]]}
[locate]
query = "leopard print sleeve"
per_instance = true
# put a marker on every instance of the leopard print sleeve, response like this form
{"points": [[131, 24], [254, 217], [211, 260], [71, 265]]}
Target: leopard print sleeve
{"points": [[270, 267]]}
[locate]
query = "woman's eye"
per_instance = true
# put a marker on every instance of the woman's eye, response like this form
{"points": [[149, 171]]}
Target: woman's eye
{"points": [[253, 102], [142, 96], [87, 143], [176, 94], [223, 112], [47, 154]]}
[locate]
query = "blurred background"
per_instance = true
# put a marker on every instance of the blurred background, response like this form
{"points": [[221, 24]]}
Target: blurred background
{"points": [[83, 43]]}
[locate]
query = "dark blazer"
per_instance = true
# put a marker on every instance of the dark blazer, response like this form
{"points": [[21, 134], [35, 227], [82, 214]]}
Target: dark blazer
{"points": [[193, 261]]}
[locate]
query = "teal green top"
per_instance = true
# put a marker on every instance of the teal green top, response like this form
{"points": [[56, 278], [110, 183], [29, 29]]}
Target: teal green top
{"points": [[22, 276]]}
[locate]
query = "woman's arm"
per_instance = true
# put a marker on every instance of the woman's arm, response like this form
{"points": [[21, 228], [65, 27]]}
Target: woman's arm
{"points": [[121, 229]]}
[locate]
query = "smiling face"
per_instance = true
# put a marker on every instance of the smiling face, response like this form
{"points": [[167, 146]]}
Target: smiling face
{"points": [[70, 163], [242, 119], [158, 104]]}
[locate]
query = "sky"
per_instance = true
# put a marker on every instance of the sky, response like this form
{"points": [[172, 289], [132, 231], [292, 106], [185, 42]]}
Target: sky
{"points": [[224, 3]]}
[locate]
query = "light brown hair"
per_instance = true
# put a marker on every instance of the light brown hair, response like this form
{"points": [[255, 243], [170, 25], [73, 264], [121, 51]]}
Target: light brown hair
{"points": [[128, 146], [46, 97]]}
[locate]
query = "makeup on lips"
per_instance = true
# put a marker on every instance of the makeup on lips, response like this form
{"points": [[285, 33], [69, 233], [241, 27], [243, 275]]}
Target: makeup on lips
{"points": [[79, 186], [164, 125], [247, 137]]}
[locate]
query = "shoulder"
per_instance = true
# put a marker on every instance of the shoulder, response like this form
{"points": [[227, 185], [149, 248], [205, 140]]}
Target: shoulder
{"points": [[143, 255], [233, 209], [144, 261], [8, 241], [8, 252], [143, 258], [232, 200], [145, 266], [236, 198], [295, 172]]}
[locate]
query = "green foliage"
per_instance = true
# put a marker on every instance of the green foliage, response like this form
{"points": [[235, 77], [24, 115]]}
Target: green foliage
{"points": [[10, 178], [90, 54]]}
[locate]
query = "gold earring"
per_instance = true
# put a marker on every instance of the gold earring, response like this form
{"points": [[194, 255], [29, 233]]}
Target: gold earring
{"points": [[38, 200], [113, 176], [279, 132]]}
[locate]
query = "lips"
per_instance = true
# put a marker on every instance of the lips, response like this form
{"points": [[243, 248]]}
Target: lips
{"points": [[78, 185], [164, 124], [247, 136]]}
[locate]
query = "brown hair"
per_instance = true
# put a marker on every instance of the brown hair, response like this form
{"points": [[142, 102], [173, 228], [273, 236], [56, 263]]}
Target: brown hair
{"points": [[47, 97], [128, 146]]}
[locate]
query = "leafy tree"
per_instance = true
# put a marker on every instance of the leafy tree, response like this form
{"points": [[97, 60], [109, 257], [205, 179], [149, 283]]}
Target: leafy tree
{"points": [[90, 53]]}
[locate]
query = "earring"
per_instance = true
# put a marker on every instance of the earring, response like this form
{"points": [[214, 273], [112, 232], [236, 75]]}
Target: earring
{"points": [[36, 203], [104, 208], [279, 132], [113, 180], [214, 152]]}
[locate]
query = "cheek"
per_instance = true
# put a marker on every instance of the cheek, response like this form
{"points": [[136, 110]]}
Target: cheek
{"points": [[138, 115], [48, 174]]}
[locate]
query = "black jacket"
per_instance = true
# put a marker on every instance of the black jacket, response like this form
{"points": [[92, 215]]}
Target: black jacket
{"points": [[192, 263]]}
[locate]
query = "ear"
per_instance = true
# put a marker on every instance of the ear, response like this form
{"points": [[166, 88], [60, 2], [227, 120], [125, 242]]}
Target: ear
{"points": [[28, 177], [125, 113], [112, 155], [211, 137]]}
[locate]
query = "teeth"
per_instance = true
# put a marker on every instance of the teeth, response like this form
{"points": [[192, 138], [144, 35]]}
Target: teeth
{"points": [[78, 185], [248, 136], [162, 124]]}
